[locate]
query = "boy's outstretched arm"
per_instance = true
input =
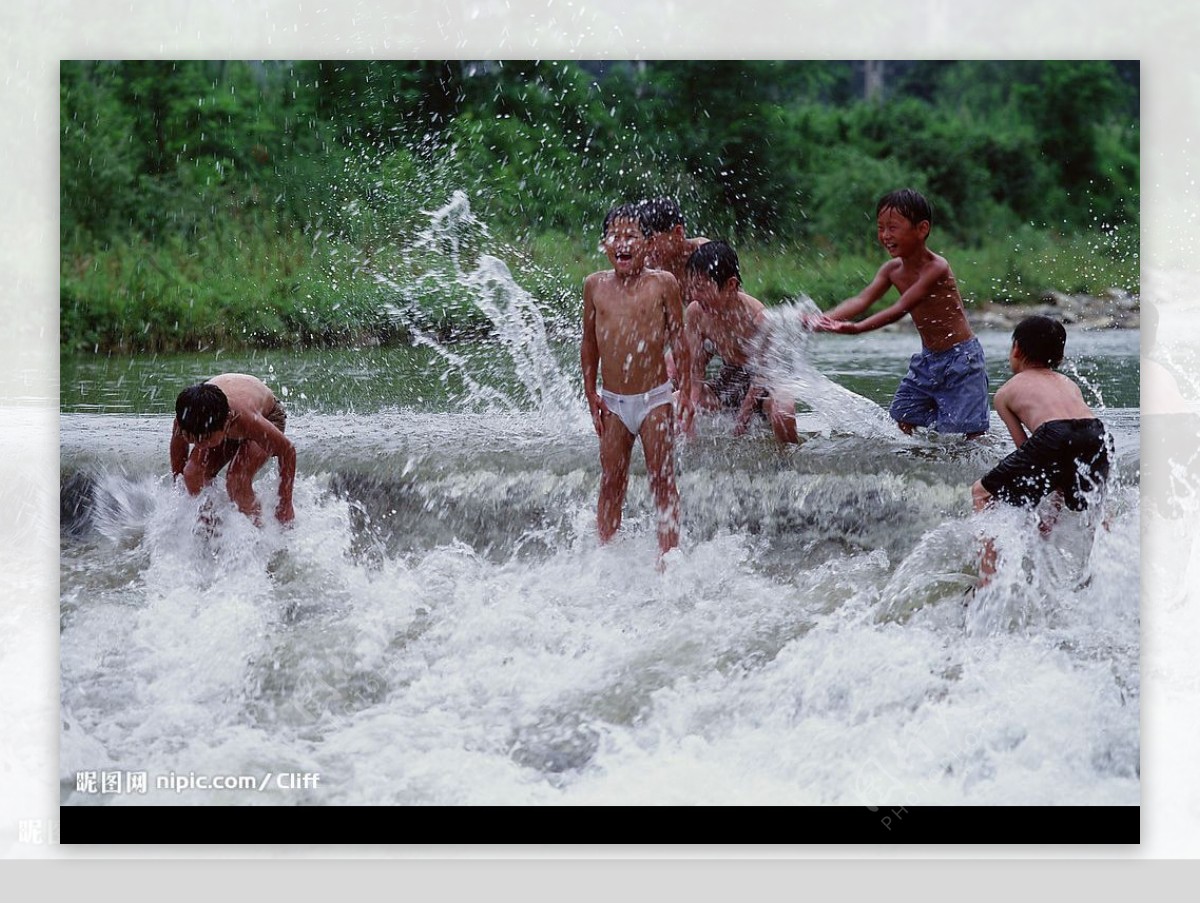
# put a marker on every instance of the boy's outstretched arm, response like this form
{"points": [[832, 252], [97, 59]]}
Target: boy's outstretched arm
{"points": [[271, 438], [287, 478], [698, 356], [589, 358], [852, 307], [913, 295], [756, 391], [1011, 420]]}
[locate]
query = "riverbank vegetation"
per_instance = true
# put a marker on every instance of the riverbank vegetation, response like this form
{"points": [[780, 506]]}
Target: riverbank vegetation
{"points": [[233, 204]]}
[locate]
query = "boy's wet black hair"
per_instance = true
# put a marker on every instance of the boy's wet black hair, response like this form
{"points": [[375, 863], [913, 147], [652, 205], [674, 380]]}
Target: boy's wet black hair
{"points": [[716, 260], [1041, 340], [910, 204], [625, 212], [201, 409], [660, 214]]}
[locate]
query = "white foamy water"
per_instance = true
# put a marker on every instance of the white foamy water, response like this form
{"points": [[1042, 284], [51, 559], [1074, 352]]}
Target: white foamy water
{"points": [[440, 627]]}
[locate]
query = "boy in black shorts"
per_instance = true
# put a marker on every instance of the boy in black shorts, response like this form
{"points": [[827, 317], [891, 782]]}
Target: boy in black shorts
{"points": [[1062, 447], [235, 420]]}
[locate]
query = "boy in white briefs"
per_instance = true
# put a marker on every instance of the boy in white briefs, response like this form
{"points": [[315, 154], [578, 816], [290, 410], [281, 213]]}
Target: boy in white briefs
{"points": [[631, 315]]}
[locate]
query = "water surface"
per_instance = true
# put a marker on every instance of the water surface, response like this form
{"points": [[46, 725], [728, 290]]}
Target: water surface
{"points": [[441, 627]]}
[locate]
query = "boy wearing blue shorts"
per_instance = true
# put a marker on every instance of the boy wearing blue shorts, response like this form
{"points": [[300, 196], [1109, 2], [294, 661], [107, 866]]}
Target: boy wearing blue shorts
{"points": [[946, 387]]}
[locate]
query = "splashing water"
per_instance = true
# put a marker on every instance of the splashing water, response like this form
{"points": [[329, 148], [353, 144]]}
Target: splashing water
{"points": [[440, 625], [517, 325], [782, 360], [1072, 368]]}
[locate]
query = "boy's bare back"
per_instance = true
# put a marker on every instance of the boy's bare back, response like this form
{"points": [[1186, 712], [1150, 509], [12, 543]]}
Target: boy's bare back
{"points": [[248, 396], [1036, 395], [732, 333]]}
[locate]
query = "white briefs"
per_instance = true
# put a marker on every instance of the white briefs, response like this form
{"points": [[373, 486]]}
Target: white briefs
{"points": [[632, 409]]}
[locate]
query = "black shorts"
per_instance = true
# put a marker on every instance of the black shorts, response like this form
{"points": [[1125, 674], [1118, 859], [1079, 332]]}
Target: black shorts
{"points": [[277, 416], [1070, 456], [731, 385]]}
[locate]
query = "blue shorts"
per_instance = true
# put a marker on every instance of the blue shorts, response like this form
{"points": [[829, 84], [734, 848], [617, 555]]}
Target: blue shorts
{"points": [[946, 390]]}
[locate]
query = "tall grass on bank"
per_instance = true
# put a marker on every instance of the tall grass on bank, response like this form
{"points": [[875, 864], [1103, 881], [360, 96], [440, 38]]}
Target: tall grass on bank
{"points": [[250, 282]]}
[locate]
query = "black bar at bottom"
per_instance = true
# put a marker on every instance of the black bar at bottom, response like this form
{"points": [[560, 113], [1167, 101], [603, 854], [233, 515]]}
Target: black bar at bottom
{"points": [[579, 825]]}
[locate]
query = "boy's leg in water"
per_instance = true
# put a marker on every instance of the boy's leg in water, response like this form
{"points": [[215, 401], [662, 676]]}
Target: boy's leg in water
{"points": [[658, 444], [781, 412], [1050, 517], [912, 405], [239, 481], [616, 445], [981, 499]]}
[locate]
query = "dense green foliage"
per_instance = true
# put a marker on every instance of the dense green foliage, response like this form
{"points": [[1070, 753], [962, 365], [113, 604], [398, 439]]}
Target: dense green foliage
{"points": [[210, 204]]}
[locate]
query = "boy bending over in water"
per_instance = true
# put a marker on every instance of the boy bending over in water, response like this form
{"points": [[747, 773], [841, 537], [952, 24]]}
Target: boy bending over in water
{"points": [[235, 420], [1062, 448], [725, 322], [630, 315], [946, 386]]}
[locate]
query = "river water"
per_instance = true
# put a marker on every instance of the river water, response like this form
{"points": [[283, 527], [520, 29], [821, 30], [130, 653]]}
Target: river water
{"points": [[440, 626]]}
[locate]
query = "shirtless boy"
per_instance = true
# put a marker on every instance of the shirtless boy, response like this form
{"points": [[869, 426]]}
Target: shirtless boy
{"points": [[235, 420], [1062, 447], [946, 386], [630, 315], [667, 248], [723, 321]]}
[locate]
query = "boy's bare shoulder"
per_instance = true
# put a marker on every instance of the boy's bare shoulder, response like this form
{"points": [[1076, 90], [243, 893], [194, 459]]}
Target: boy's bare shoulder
{"points": [[596, 283], [890, 269], [244, 391], [751, 302], [661, 276], [1036, 382], [938, 264]]}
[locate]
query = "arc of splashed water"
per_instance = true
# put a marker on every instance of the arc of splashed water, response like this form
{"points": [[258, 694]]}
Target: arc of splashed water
{"points": [[518, 323], [780, 358], [521, 328], [1072, 368]]}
